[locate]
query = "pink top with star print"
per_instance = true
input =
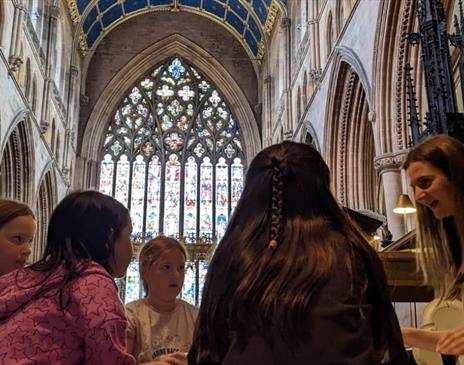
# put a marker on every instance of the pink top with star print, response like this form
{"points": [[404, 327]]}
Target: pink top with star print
{"points": [[34, 330]]}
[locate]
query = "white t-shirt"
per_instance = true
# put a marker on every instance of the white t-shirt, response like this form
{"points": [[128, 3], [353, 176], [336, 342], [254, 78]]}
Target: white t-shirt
{"points": [[155, 334]]}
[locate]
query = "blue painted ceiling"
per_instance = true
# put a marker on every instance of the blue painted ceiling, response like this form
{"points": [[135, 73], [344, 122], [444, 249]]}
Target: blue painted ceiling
{"points": [[245, 18]]}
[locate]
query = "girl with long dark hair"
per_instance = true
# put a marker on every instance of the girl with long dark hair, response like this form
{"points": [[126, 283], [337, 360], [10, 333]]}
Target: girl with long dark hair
{"points": [[293, 281], [64, 309]]}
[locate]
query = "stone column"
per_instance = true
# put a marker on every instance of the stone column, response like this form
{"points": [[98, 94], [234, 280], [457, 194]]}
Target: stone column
{"points": [[389, 168], [70, 107], [315, 70], [73, 92], [54, 15], [315, 40], [267, 113], [288, 124], [86, 173], [18, 16]]}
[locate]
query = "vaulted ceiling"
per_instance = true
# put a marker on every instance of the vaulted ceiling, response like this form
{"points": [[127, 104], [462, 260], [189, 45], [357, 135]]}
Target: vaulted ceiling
{"points": [[250, 21]]}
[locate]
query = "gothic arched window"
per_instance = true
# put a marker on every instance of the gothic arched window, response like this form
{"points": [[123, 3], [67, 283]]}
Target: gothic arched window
{"points": [[173, 155]]}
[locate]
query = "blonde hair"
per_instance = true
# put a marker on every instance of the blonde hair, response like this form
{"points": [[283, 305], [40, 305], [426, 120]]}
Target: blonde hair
{"points": [[153, 250], [440, 240]]}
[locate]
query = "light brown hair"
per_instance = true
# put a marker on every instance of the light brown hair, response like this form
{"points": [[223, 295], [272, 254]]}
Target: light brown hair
{"points": [[10, 209], [153, 250], [440, 240]]}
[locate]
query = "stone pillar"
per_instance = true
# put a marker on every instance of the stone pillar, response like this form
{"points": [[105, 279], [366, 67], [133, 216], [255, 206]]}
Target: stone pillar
{"points": [[52, 33], [86, 173], [315, 41], [69, 138], [65, 162], [389, 168], [54, 14], [288, 124], [267, 113], [315, 71], [18, 17]]}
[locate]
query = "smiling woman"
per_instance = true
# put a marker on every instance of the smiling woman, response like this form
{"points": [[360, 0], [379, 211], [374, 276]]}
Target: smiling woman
{"points": [[17, 229], [432, 189], [437, 178]]}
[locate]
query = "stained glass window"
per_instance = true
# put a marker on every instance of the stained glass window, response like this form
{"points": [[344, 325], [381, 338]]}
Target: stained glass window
{"points": [[173, 155], [132, 281]]}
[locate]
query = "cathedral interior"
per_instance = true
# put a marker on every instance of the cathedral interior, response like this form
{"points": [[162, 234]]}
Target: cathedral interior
{"points": [[163, 103]]}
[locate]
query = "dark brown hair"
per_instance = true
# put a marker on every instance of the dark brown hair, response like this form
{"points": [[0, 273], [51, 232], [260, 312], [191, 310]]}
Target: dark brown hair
{"points": [[279, 248], [83, 227]]}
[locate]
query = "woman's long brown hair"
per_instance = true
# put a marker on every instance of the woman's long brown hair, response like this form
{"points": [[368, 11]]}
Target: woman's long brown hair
{"points": [[253, 284], [440, 240]]}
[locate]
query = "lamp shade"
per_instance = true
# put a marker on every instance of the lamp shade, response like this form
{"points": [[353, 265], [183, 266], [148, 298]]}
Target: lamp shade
{"points": [[404, 205]]}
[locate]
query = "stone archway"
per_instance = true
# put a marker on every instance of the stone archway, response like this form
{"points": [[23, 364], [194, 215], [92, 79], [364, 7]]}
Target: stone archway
{"points": [[396, 20], [46, 198], [349, 142], [16, 168], [389, 100]]}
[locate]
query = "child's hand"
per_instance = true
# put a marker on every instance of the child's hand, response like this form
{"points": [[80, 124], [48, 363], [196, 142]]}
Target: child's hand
{"points": [[452, 342]]}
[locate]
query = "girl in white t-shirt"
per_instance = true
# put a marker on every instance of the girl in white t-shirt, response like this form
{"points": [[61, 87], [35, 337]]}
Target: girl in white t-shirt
{"points": [[161, 326]]}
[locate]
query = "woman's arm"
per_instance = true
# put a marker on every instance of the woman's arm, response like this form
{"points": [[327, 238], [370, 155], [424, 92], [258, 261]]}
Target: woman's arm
{"points": [[451, 342], [423, 339]]}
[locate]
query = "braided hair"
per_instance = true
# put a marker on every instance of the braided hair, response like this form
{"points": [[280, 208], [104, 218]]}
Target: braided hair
{"points": [[278, 170], [281, 245]]}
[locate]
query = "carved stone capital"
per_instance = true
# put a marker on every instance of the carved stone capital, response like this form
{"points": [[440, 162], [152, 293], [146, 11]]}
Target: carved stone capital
{"points": [[371, 116], [258, 108], [315, 74], [285, 23], [74, 71], [20, 6], [44, 126], [288, 134], [66, 173], [15, 63], [55, 11], [390, 161], [267, 79], [84, 99]]}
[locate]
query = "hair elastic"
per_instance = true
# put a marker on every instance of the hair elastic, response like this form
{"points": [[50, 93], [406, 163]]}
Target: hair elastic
{"points": [[272, 244]]}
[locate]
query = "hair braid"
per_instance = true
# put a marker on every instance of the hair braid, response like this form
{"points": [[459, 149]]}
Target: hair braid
{"points": [[277, 205]]}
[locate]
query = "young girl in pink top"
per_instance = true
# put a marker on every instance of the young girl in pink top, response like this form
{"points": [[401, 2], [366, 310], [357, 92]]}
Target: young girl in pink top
{"points": [[65, 309]]}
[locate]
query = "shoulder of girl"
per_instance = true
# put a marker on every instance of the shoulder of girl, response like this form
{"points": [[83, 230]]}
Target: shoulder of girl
{"points": [[189, 307], [95, 277], [95, 269]]}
